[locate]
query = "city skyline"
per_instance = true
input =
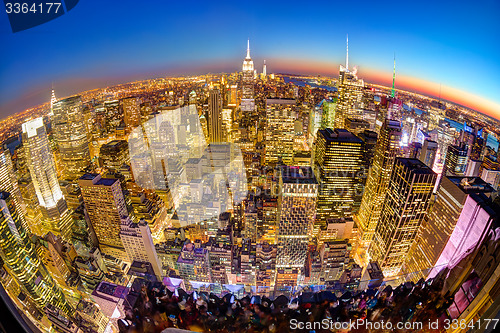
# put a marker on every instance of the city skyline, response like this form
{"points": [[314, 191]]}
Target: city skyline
{"points": [[435, 57], [251, 196]]}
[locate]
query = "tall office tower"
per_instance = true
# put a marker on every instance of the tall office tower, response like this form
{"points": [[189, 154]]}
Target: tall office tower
{"points": [[70, 133], [19, 256], [386, 151], [248, 75], [138, 243], [280, 130], [435, 231], [264, 69], [232, 95], [405, 206], [455, 161], [296, 211], [339, 167], [247, 83], [479, 146], [8, 183], [53, 100], [215, 116], [42, 169], [350, 90], [105, 204], [131, 112], [428, 153]]}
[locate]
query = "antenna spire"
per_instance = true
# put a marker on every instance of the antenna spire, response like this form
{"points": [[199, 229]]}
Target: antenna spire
{"points": [[394, 77], [248, 48], [347, 54]]}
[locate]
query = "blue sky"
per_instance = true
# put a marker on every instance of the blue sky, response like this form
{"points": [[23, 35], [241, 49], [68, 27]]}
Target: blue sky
{"points": [[456, 43]]}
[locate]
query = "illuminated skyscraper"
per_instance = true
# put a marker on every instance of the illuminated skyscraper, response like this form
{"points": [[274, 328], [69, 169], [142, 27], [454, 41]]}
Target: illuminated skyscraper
{"points": [[247, 99], [455, 161], [350, 90], [405, 207], [19, 256], [280, 131], [8, 183], [435, 231], [53, 100], [131, 112], [296, 211], [70, 133], [386, 151], [428, 153], [106, 207], [42, 169], [215, 116], [339, 168], [248, 75], [328, 118]]}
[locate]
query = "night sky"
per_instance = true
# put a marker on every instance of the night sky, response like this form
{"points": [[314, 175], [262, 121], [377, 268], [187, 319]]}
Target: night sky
{"points": [[455, 44]]}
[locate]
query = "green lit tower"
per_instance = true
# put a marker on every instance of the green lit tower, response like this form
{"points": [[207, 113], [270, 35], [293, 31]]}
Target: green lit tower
{"points": [[21, 261]]}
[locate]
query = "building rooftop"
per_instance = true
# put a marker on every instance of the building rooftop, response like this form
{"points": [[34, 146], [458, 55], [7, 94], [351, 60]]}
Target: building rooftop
{"points": [[339, 135], [471, 184], [295, 174], [415, 165]]}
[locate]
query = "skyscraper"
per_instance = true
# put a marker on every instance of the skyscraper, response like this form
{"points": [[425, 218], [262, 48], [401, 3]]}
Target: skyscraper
{"points": [[296, 210], [8, 183], [42, 169], [247, 82], [215, 116], [428, 153], [386, 151], [339, 168], [280, 131], [405, 206], [106, 207], [19, 256], [350, 90], [455, 161], [436, 230], [131, 112], [70, 133], [248, 75]]}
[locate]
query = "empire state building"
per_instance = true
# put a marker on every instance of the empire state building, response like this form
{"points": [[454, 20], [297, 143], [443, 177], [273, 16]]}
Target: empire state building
{"points": [[247, 101]]}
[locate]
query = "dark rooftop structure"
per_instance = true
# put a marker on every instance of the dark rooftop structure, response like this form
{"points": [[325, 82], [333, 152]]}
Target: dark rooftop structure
{"points": [[339, 135], [296, 174], [472, 184], [416, 166]]}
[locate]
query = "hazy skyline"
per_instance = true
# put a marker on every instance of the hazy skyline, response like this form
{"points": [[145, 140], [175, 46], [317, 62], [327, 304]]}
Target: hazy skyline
{"points": [[452, 44]]}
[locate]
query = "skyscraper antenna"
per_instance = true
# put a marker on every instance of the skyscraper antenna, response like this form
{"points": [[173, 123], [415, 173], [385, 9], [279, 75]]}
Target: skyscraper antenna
{"points": [[248, 48], [347, 54], [393, 92]]}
